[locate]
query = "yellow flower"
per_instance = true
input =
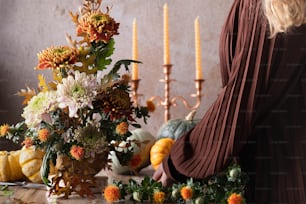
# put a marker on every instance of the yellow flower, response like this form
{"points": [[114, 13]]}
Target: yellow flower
{"points": [[186, 192], [43, 134], [53, 57], [159, 197], [235, 198], [122, 128], [4, 129], [111, 193], [150, 106], [77, 152]]}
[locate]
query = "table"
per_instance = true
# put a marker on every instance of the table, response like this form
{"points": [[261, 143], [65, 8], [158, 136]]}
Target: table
{"points": [[39, 196]]}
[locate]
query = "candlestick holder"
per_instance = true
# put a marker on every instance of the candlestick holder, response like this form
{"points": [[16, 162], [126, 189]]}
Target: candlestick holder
{"points": [[167, 101]]}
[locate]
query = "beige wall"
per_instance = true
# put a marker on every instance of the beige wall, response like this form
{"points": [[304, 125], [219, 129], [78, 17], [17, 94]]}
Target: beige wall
{"points": [[29, 26]]}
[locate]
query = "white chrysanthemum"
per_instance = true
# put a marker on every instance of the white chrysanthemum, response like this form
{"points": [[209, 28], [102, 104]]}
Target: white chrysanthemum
{"points": [[76, 92], [38, 107]]}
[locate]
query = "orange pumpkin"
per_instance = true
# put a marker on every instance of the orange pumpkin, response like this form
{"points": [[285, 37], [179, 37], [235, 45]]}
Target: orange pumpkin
{"points": [[160, 150]]}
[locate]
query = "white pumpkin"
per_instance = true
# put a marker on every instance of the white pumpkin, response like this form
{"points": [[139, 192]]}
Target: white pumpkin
{"points": [[30, 161], [141, 155]]}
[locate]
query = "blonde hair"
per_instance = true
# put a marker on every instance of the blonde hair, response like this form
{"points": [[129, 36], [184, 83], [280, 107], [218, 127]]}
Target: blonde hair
{"points": [[283, 14]]}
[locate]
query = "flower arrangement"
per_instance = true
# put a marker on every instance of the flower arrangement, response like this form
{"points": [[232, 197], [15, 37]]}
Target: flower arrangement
{"points": [[225, 188], [85, 111]]}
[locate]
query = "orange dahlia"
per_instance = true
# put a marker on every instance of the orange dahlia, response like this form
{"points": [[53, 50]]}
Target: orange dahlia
{"points": [[43, 134], [111, 193], [159, 197], [186, 192], [235, 198], [54, 57], [77, 152]]}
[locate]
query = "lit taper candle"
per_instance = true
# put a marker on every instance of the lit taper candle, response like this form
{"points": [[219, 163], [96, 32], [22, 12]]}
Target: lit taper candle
{"points": [[198, 60]]}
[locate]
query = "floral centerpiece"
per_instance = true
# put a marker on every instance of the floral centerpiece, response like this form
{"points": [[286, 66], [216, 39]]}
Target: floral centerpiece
{"points": [[85, 111]]}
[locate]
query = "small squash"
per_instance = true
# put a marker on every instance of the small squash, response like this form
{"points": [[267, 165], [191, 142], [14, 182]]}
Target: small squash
{"points": [[30, 161], [10, 169], [141, 154], [160, 150], [177, 127]]}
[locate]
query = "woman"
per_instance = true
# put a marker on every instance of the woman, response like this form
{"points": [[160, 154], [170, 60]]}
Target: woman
{"points": [[259, 118]]}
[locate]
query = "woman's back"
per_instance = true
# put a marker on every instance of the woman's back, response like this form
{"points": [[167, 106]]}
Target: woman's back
{"points": [[260, 115]]}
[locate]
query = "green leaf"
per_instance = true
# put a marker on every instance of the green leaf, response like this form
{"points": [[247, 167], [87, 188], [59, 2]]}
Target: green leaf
{"points": [[113, 73], [103, 52], [45, 167]]}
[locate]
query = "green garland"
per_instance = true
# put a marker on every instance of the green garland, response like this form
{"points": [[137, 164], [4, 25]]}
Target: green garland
{"points": [[225, 187], [5, 191]]}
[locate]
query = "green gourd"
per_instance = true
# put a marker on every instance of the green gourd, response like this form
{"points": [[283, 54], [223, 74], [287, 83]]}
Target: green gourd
{"points": [[175, 128]]}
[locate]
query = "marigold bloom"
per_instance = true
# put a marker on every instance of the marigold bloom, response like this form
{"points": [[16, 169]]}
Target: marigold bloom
{"points": [[54, 56], [43, 134], [4, 129], [122, 128], [186, 192], [235, 198], [28, 142], [77, 152], [150, 106], [159, 197], [111, 193]]}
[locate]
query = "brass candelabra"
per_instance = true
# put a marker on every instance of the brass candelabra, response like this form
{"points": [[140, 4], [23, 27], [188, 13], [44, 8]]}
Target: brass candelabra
{"points": [[167, 101]]}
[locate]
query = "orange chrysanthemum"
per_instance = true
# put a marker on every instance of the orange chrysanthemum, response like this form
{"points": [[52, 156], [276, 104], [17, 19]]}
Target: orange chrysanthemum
{"points": [[28, 142], [235, 198], [77, 152], [4, 129], [159, 197], [43, 134], [122, 128], [150, 106], [111, 193], [54, 57], [97, 26], [186, 192]]}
